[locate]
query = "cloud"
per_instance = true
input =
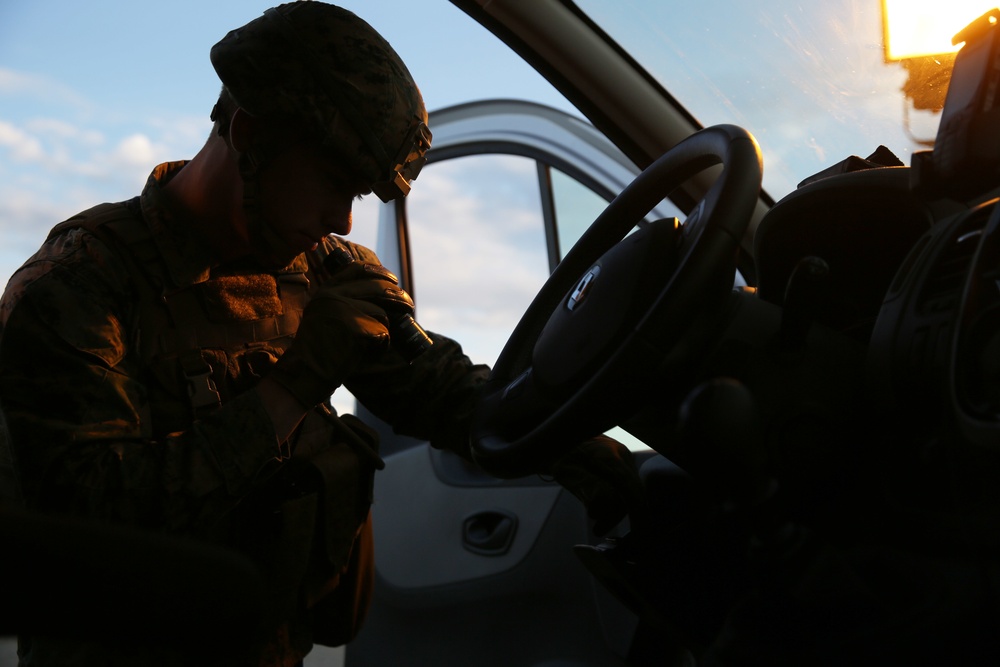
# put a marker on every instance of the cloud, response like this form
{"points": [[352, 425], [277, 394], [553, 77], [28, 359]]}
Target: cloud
{"points": [[52, 167], [65, 130], [135, 151], [25, 218], [479, 248], [12, 82], [81, 153], [22, 146], [182, 136], [50, 144], [38, 87]]}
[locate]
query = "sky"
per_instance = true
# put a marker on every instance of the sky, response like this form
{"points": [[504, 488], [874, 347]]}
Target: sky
{"points": [[94, 94]]}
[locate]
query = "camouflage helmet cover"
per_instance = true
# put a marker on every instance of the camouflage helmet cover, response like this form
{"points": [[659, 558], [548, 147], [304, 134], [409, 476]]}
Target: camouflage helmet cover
{"points": [[324, 66]]}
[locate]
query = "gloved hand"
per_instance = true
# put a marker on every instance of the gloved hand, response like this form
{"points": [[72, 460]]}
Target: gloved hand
{"points": [[343, 325], [602, 473]]}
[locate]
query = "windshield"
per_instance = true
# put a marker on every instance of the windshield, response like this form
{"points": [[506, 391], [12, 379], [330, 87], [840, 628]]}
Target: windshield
{"points": [[809, 80]]}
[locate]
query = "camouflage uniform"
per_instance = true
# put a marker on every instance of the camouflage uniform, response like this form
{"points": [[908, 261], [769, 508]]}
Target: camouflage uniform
{"points": [[100, 416]]}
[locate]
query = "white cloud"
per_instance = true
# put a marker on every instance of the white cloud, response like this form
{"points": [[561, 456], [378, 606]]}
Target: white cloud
{"points": [[12, 82], [25, 218], [52, 144], [181, 136], [64, 130], [24, 85], [75, 154], [135, 151], [475, 225], [50, 168], [22, 146]]}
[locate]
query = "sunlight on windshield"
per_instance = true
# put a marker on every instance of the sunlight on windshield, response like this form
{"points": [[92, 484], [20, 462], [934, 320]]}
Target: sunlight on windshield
{"points": [[926, 27], [809, 80]]}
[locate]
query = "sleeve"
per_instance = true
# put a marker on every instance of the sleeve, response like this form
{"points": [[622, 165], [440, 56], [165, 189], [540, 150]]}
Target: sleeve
{"points": [[433, 397], [74, 403]]}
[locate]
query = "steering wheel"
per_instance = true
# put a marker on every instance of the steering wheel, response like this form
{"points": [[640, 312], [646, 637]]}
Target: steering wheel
{"points": [[615, 315]]}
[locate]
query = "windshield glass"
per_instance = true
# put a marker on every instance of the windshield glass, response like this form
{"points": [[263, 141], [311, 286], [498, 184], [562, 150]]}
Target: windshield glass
{"points": [[809, 80]]}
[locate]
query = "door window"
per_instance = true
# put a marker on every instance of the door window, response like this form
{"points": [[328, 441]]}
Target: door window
{"points": [[477, 233], [478, 243], [510, 188], [576, 206]]}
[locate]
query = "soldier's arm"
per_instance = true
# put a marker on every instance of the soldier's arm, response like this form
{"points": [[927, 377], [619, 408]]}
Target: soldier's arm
{"points": [[431, 398], [77, 415]]}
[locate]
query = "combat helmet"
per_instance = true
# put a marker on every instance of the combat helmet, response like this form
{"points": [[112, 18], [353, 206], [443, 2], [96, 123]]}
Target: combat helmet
{"points": [[324, 67]]}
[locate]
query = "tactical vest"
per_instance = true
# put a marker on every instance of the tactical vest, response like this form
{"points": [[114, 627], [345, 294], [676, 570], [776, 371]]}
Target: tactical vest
{"points": [[202, 344]]}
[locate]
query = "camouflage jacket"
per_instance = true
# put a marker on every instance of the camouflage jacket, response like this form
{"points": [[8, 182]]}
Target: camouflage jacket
{"points": [[96, 429]]}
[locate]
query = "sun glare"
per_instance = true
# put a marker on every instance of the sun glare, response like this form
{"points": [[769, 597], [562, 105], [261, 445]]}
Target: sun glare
{"points": [[916, 28]]}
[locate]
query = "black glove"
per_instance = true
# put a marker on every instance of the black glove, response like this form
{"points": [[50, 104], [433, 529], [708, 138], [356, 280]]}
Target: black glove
{"points": [[602, 473], [343, 326]]}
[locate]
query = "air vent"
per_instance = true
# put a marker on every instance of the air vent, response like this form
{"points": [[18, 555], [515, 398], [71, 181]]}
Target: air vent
{"points": [[943, 288]]}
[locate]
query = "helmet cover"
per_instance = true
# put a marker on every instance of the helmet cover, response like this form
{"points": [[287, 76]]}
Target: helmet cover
{"points": [[324, 67]]}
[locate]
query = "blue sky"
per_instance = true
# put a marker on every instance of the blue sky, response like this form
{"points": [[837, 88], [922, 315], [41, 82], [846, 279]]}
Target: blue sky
{"points": [[94, 94]]}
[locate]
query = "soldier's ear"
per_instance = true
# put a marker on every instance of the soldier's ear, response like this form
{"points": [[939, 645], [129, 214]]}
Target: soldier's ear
{"points": [[243, 128]]}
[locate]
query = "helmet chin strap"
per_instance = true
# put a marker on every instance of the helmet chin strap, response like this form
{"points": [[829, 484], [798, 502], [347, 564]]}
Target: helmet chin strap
{"points": [[264, 241]]}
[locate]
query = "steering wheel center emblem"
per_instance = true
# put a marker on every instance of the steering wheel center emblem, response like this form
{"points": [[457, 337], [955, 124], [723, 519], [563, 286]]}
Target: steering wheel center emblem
{"points": [[583, 287]]}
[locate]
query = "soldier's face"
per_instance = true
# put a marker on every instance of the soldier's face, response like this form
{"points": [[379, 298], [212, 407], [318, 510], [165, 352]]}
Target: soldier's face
{"points": [[304, 196]]}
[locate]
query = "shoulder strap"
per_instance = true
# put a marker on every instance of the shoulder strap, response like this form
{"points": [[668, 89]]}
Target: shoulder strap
{"points": [[93, 218], [121, 227], [173, 325]]}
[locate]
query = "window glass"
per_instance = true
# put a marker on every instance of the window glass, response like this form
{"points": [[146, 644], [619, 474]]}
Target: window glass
{"points": [[478, 247], [576, 207], [477, 240]]}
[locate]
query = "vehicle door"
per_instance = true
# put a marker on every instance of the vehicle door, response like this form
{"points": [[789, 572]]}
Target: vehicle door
{"points": [[472, 569]]}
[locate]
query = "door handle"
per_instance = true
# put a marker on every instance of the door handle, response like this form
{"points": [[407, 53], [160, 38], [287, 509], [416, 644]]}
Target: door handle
{"points": [[489, 533]]}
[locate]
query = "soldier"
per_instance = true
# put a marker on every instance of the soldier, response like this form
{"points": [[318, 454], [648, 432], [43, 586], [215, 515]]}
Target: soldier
{"points": [[166, 362]]}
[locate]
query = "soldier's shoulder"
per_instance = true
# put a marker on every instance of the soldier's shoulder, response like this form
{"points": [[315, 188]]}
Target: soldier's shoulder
{"points": [[73, 259]]}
